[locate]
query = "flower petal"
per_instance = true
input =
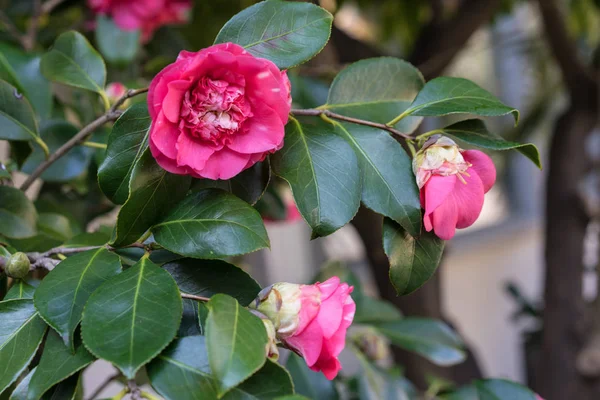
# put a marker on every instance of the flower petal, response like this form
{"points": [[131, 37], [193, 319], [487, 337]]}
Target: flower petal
{"points": [[309, 343], [484, 166], [468, 199], [164, 135], [171, 103], [328, 287], [224, 164], [192, 153], [444, 220], [436, 190], [168, 164], [263, 132], [329, 367]]}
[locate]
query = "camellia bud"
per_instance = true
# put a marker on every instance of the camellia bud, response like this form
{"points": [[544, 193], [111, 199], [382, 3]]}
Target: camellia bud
{"points": [[271, 348], [310, 320], [374, 345], [441, 156], [18, 266], [115, 91]]}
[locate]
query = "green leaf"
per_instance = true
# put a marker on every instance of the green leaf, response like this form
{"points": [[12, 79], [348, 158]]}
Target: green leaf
{"points": [[116, 45], [20, 151], [323, 173], [373, 311], [492, 389], [209, 277], [139, 309], [357, 93], [431, 339], [212, 224], [286, 33], [73, 61], [412, 260], [236, 341], [446, 95], [475, 133], [389, 186], [21, 331], [20, 290], [126, 143], [16, 115], [190, 325], [309, 383], [375, 384], [24, 68], [61, 296], [72, 165], [153, 192], [69, 389], [17, 214], [54, 225], [88, 239], [57, 364], [182, 372], [20, 392], [249, 185], [202, 315]]}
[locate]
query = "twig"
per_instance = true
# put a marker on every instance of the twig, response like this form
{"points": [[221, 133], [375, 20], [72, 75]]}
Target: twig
{"points": [[194, 297], [11, 28], [50, 5], [29, 37], [134, 390], [332, 115], [103, 385], [112, 114]]}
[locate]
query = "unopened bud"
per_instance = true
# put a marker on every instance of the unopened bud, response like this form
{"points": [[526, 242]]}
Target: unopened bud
{"points": [[374, 345], [115, 91], [18, 266], [438, 156]]}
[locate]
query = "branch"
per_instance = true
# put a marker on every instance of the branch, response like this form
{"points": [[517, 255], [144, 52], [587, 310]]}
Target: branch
{"points": [[29, 37], [112, 114], [575, 73], [103, 385], [332, 115], [134, 390], [50, 5], [194, 297]]}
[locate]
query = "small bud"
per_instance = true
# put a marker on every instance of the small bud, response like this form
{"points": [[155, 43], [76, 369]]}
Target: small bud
{"points": [[18, 265], [115, 91], [438, 156], [374, 345]]}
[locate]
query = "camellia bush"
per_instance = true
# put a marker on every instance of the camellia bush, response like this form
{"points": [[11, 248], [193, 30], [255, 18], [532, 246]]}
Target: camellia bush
{"points": [[191, 163]]}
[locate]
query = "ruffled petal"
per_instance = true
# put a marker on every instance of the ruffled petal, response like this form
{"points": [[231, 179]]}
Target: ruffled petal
{"points": [[168, 164], [192, 153], [468, 200], [435, 191], [337, 341], [263, 132], [308, 343], [224, 164], [483, 165], [329, 367], [171, 104], [164, 135], [310, 297], [328, 287]]}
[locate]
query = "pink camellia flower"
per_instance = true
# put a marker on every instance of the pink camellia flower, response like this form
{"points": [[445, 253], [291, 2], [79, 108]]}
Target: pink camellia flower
{"points": [[217, 112], [452, 183], [311, 320], [146, 15]]}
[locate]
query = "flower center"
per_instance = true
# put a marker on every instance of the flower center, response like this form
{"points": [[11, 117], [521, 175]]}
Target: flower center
{"points": [[214, 110]]}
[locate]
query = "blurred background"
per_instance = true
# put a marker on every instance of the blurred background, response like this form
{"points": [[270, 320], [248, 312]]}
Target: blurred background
{"points": [[521, 284]]}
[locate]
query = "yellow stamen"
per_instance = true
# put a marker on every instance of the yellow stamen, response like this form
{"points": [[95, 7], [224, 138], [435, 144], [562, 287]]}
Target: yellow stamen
{"points": [[459, 176]]}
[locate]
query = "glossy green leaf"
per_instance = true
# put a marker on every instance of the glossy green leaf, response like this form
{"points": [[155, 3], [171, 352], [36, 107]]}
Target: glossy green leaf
{"points": [[309, 383], [446, 95], [61, 296], [54, 225], [190, 320], [73, 61], [376, 384], [73, 164], [492, 389], [209, 277], [412, 260], [286, 33], [116, 45], [211, 224], [39, 242], [20, 392], [323, 172], [377, 89], [249, 185], [20, 290], [236, 341], [153, 192], [389, 186], [139, 309], [21, 331], [69, 389], [182, 372], [373, 311], [126, 143], [88, 239], [16, 115], [25, 69], [475, 133], [56, 364], [17, 213], [431, 339], [202, 316]]}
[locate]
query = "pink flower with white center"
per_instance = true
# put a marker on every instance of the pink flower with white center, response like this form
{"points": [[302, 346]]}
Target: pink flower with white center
{"points": [[311, 320], [146, 15], [217, 112], [452, 183]]}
